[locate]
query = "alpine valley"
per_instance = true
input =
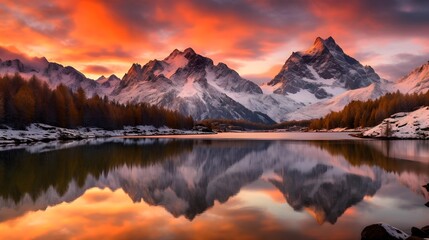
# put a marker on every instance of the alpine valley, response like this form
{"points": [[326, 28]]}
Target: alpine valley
{"points": [[310, 84]]}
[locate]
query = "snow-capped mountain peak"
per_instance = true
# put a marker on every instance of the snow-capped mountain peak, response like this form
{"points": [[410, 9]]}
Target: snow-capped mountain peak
{"points": [[318, 46], [324, 46], [102, 78], [112, 78], [187, 53], [321, 72]]}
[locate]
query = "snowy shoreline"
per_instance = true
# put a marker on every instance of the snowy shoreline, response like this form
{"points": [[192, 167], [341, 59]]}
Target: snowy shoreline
{"points": [[403, 125], [37, 132]]}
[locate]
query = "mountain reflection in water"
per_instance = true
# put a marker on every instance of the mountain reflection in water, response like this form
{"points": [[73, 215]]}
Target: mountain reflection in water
{"points": [[188, 177]]}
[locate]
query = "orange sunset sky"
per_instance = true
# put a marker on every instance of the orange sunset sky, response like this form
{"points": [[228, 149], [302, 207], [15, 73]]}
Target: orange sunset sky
{"points": [[254, 37]]}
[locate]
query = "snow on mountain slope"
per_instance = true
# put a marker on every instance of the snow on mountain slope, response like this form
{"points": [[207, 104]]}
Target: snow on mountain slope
{"points": [[274, 105], [108, 84], [416, 81], [337, 103], [403, 125], [191, 84], [321, 72]]}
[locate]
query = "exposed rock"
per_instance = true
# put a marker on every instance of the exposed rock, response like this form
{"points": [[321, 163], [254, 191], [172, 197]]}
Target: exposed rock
{"points": [[382, 231], [414, 238], [418, 233], [425, 229]]}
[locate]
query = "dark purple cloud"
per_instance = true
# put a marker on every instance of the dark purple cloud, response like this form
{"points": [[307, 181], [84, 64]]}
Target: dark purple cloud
{"points": [[404, 64], [44, 17], [96, 69]]}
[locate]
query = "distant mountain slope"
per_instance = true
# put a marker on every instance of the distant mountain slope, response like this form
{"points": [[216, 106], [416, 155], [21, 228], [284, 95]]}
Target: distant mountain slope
{"points": [[108, 84], [338, 102], [417, 81], [52, 73]]}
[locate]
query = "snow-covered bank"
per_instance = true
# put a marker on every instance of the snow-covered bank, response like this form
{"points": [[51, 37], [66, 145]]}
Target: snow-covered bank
{"points": [[412, 125], [37, 132]]}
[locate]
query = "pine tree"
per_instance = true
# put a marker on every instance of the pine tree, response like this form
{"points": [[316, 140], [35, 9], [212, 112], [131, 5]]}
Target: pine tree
{"points": [[25, 105]]}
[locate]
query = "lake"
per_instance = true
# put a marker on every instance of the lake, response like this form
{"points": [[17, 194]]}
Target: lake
{"points": [[224, 186]]}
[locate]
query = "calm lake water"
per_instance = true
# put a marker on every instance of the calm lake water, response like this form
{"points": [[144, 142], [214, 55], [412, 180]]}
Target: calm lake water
{"points": [[226, 186]]}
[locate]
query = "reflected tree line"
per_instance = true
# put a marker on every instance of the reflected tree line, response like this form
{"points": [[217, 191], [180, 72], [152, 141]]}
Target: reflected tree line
{"points": [[359, 153], [23, 173]]}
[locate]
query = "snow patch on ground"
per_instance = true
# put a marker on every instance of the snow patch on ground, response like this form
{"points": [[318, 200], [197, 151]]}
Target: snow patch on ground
{"points": [[413, 125], [394, 232]]}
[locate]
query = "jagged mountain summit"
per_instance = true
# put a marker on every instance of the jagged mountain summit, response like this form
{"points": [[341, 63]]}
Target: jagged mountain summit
{"points": [[191, 84], [321, 72]]}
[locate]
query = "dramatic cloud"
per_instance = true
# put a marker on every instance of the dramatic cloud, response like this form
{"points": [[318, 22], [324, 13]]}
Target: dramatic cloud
{"points": [[241, 33], [403, 64], [97, 69]]}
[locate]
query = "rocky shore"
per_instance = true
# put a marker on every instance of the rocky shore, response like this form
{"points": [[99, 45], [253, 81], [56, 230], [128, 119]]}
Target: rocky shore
{"points": [[381, 231], [412, 125], [37, 132]]}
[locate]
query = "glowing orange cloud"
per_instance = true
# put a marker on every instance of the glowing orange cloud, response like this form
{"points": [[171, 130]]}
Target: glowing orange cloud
{"points": [[114, 34]]}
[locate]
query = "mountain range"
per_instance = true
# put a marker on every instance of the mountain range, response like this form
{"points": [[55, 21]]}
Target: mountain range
{"points": [[310, 84]]}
